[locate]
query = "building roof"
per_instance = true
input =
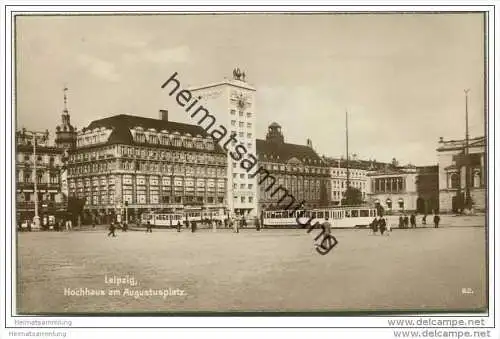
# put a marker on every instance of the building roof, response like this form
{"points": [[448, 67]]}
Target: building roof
{"points": [[459, 144], [122, 124], [284, 152], [355, 163]]}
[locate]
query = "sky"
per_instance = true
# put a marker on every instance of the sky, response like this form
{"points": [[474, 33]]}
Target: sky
{"points": [[401, 78]]}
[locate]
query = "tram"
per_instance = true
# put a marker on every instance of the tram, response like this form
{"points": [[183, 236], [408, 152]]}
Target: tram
{"points": [[162, 219], [203, 215], [340, 217], [172, 219]]}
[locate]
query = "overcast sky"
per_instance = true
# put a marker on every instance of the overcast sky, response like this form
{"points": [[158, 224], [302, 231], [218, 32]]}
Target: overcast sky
{"points": [[401, 77]]}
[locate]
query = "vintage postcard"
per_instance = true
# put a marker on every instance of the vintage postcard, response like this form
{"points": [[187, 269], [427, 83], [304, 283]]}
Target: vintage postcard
{"points": [[251, 163]]}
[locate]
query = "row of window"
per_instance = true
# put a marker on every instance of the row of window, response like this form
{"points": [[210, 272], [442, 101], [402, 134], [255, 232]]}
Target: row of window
{"points": [[243, 186], [240, 113], [307, 195], [389, 184], [340, 184], [30, 197], [175, 141], [241, 124], [282, 167], [84, 140], [42, 178], [352, 173], [106, 151], [143, 152], [47, 159], [291, 168], [101, 167], [170, 155], [153, 199], [243, 199]]}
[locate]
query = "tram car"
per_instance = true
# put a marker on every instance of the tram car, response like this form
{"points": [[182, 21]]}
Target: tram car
{"points": [[162, 220], [339, 217]]}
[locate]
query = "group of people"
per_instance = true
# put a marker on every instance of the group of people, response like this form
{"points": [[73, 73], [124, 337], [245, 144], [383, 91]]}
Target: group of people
{"points": [[58, 225], [403, 221], [380, 224], [113, 227]]}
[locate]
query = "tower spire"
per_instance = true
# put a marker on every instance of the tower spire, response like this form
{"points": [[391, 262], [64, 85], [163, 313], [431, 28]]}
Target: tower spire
{"points": [[65, 90]]}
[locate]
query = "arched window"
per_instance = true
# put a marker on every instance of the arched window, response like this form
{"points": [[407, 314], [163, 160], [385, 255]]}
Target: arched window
{"points": [[389, 203], [455, 180]]}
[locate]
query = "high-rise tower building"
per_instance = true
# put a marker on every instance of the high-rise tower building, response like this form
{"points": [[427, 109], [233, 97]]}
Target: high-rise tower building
{"points": [[232, 102]]}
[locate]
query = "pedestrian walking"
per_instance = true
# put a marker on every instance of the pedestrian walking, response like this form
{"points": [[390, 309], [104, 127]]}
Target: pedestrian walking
{"points": [[257, 224], [436, 220], [374, 225], [193, 226], [327, 226], [179, 226], [149, 228], [401, 222], [406, 221], [243, 222], [124, 227], [424, 219], [382, 225], [112, 229], [214, 226], [413, 221]]}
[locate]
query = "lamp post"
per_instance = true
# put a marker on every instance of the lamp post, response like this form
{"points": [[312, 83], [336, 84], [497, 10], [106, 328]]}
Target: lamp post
{"points": [[466, 151]]}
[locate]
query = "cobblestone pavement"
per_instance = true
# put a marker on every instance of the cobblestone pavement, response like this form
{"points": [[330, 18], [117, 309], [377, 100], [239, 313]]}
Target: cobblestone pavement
{"points": [[272, 270]]}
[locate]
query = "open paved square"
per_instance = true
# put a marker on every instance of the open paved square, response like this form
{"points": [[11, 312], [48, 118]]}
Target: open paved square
{"points": [[272, 270]]}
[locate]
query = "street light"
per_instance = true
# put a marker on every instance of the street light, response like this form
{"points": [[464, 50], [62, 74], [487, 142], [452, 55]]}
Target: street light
{"points": [[42, 136]]}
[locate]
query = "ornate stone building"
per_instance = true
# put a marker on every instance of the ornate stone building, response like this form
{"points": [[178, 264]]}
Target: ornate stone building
{"points": [[338, 178], [146, 164], [48, 161], [394, 188], [452, 173], [297, 168]]}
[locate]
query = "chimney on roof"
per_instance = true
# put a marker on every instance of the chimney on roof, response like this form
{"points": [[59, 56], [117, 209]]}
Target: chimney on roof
{"points": [[164, 115], [309, 143]]}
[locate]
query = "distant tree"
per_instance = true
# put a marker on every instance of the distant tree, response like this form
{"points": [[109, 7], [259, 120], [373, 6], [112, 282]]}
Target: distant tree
{"points": [[352, 196]]}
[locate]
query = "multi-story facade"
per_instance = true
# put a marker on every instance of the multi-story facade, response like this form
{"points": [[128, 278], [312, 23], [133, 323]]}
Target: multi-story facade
{"points": [[452, 173], [297, 168], [233, 104], [338, 178], [41, 162], [394, 188], [135, 164]]}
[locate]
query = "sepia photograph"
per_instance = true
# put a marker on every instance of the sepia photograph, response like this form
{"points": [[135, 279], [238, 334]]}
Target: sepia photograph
{"points": [[250, 163]]}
